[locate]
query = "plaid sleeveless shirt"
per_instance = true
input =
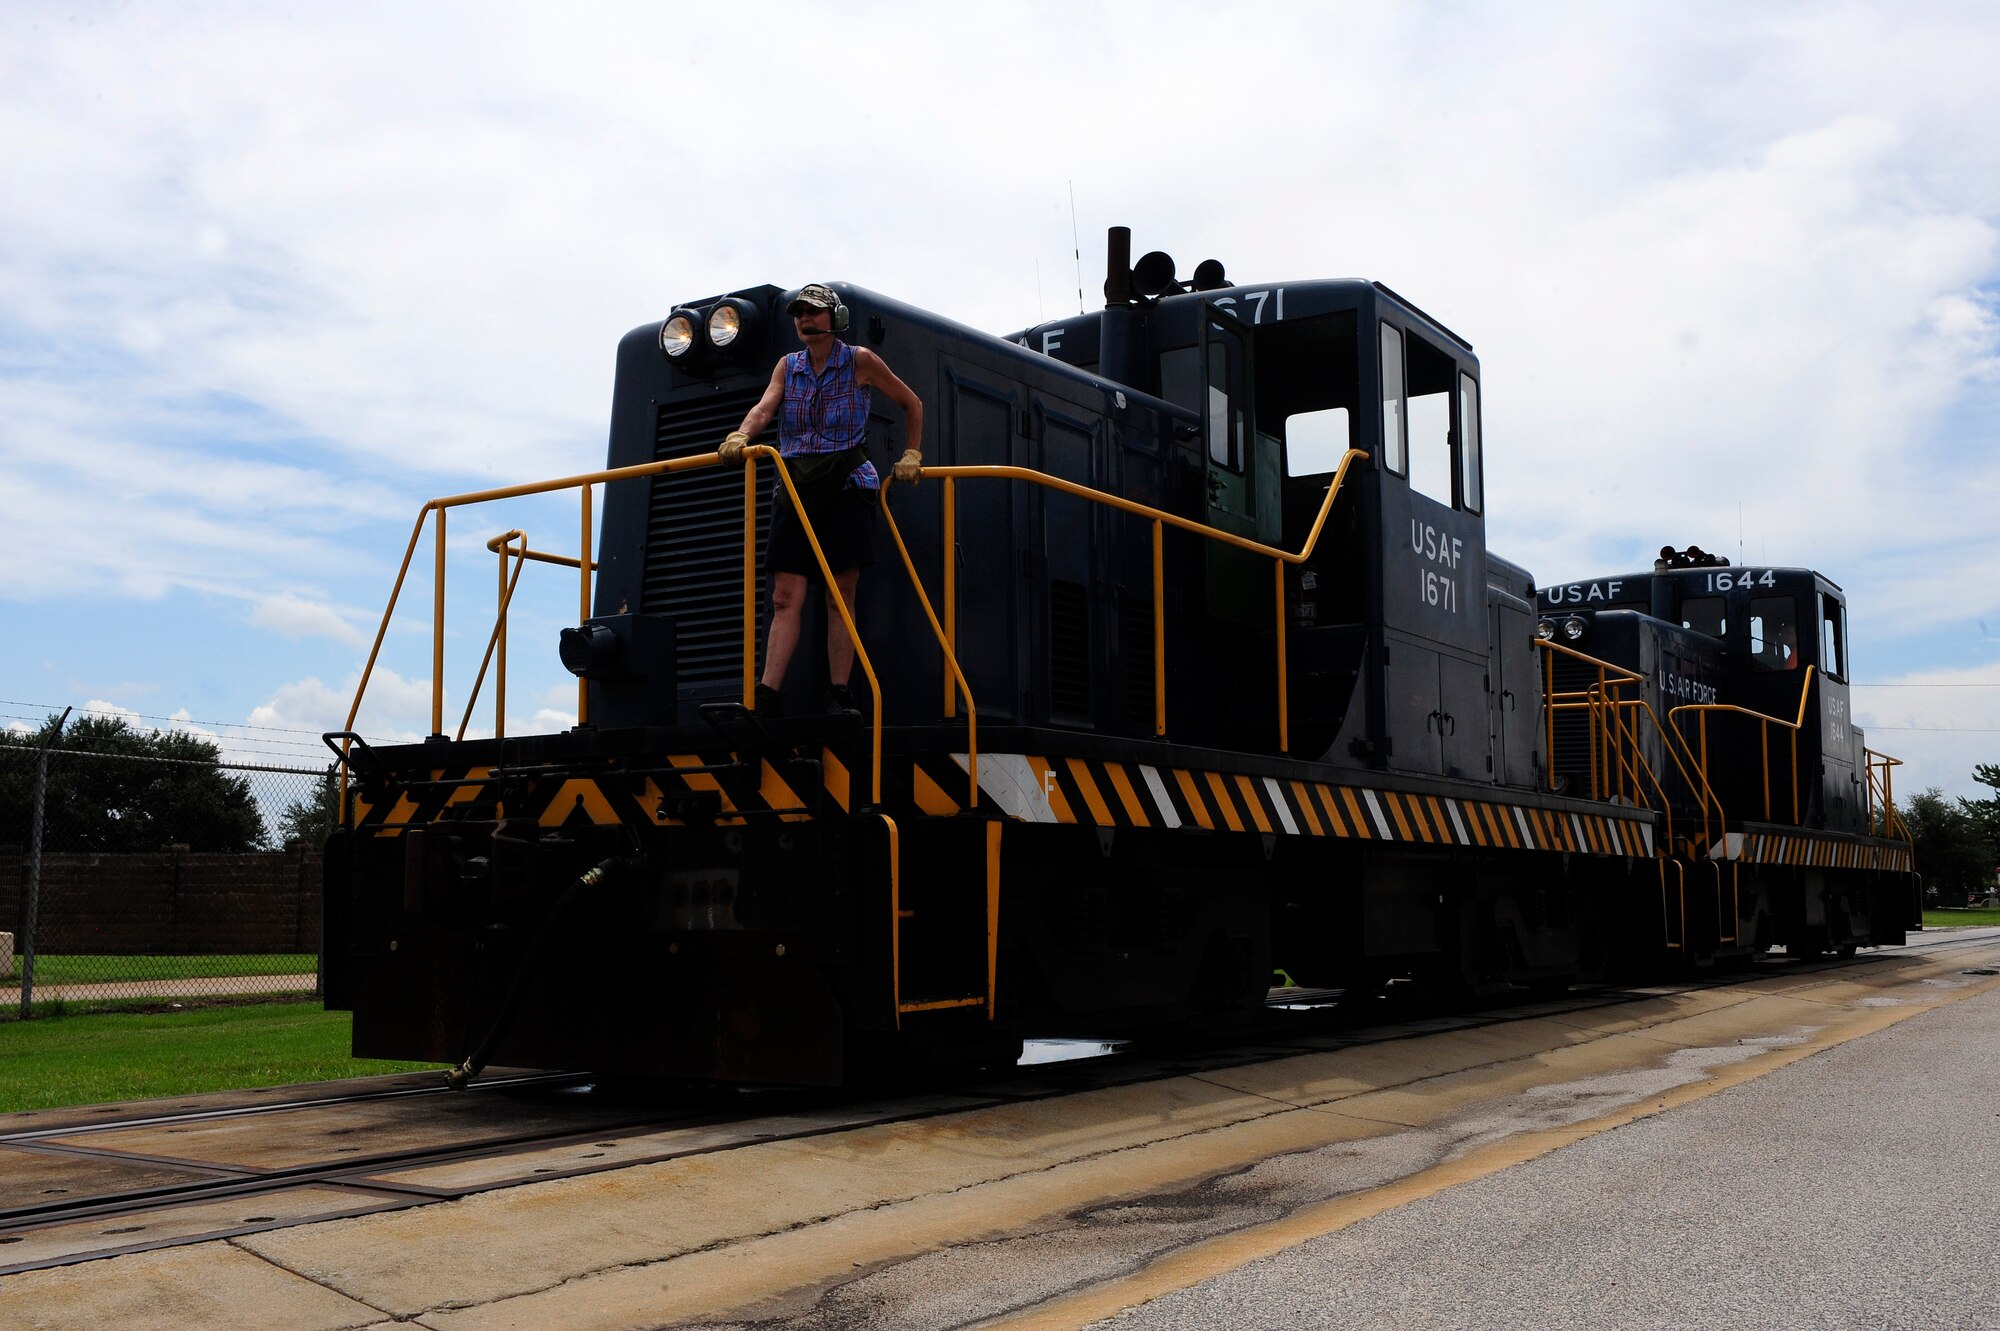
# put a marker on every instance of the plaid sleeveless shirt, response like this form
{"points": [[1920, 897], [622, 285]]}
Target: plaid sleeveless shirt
{"points": [[827, 412]]}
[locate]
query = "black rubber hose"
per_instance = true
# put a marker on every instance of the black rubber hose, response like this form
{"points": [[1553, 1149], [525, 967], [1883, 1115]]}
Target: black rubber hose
{"points": [[475, 1062]]}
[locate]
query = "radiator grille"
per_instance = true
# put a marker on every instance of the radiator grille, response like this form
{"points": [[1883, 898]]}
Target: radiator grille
{"points": [[1571, 755], [1069, 649], [694, 539]]}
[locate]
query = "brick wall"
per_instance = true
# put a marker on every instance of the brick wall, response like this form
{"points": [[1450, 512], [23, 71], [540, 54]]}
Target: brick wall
{"points": [[169, 902]]}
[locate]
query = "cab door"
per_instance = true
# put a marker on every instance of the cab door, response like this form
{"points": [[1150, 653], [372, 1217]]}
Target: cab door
{"points": [[1240, 471]]}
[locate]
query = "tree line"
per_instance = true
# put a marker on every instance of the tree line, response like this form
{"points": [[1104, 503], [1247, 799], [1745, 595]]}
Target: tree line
{"points": [[1957, 842], [138, 790]]}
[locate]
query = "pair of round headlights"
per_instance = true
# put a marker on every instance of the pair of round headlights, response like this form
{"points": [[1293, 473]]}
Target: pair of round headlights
{"points": [[1572, 628], [724, 325]]}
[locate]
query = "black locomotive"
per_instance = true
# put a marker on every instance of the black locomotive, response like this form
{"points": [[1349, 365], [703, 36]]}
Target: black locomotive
{"points": [[1186, 661]]}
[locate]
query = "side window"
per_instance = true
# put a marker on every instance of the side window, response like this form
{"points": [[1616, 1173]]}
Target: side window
{"points": [[1774, 633], [1394, 433], [1833, 637], [1706, 614], [1428, 374], [1225, 414], [1468, 445], [1315, 441], [1180, 377]]}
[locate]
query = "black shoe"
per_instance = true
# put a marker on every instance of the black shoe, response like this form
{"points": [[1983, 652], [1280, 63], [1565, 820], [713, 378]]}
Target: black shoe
{"points": [[839, 702], [770, 703]]}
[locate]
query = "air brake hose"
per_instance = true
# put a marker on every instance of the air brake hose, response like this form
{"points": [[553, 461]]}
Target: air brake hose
{"points": [[461, 1076]]}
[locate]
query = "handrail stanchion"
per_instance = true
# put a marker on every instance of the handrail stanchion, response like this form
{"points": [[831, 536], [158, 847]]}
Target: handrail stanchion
{"points": [[583, 604], [496, 642], [950, 591], [1549, 711], [952, 671], [1284, 711], [500, 658], [1159, 630], [750, 582], [437, 634]]}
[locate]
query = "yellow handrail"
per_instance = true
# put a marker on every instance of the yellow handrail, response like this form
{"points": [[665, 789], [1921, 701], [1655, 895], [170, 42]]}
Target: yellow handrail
{"points": [[1763, 733], [947, 631], [1614, 741], [939, 631], [586, 565], [1160, 517], [1879, 770], [496, 642]]}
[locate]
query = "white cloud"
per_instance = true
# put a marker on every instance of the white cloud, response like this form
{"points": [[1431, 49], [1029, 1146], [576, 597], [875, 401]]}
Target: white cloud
{"points": [[295, 616]]}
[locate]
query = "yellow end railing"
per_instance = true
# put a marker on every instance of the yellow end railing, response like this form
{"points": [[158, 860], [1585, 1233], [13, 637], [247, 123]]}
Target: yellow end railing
{"points": [[1618, 766], [1884, 821]]}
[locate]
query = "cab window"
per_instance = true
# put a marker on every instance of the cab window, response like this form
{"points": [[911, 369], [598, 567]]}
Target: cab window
{"points": [[1706, 614], [1833, 637], [1393, 432], [1430, 375], [1774, 633], [1468, 445]]}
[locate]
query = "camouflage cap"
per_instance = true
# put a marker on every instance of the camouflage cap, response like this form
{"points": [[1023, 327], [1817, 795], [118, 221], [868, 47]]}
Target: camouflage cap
{"points": [[815, 296]]}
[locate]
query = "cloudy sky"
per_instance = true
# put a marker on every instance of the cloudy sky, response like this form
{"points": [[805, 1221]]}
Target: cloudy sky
{"points": [[271, 276]]}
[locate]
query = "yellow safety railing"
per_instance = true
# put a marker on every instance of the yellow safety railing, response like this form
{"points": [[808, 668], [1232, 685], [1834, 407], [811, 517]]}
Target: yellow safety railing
{"points": [[585, 564], [1618, 765], [1764, 724], [512, 546], [943, 635], [954, 682], [1885, 821]]}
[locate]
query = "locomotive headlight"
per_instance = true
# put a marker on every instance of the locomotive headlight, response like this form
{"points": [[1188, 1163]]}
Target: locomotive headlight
{"points": [[733, 327], [1546, 630], [1573, 628], [677, 335], [724, 323]]}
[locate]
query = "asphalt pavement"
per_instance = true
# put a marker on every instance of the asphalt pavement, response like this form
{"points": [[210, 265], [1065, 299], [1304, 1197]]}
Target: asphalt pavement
{"points": [[1856, 1188]]}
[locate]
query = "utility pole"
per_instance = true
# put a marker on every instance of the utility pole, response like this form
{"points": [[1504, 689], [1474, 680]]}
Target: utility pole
{"points": [[34, 883]]}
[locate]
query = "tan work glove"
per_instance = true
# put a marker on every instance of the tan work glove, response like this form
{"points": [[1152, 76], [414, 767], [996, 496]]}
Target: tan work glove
{"points": [[909, 468], [733, 444]]}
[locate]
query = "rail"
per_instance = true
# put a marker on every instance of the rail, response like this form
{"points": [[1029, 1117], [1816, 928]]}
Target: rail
{"points": [[1763, 736], [585, 564], [1881, 782], [513, 546], [1618, 766], [949, 476]]}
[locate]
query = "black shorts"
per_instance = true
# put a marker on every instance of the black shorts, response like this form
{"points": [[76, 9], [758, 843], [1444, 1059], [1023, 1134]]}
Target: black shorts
{"points": [[842, 519]]}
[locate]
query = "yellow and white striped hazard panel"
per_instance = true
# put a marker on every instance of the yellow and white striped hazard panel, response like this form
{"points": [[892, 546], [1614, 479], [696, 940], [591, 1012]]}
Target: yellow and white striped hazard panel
{"points": [[1103, 793], [1814, 850]]}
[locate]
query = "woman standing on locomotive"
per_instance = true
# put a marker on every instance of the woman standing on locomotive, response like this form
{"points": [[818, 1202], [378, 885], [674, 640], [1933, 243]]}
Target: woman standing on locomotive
{"points": [[821, 397]]}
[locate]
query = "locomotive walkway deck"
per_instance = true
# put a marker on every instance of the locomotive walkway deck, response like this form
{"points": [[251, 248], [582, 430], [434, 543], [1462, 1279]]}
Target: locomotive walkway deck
{"points": [[1631, 1141]]}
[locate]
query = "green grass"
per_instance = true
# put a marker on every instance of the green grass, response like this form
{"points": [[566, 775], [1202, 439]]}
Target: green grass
{"points": [[131, 1056], [67, 968], [1944, 919]]}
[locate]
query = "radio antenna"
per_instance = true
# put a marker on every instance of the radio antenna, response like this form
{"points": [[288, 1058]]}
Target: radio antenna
{"points": [[1076, 247], [1739, 531]]}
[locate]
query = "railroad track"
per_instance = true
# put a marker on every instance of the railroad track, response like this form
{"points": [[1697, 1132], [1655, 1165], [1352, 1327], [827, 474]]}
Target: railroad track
{"points": [[137, 1179]]}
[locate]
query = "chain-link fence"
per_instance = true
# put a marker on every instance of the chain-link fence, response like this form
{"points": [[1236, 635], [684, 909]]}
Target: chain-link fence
{"points": [[131, 874]]}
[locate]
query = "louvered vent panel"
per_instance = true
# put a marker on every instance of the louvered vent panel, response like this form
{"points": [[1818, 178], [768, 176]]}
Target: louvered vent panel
{"points": [[1069, 649], [694, 539], [1572, 724]]}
